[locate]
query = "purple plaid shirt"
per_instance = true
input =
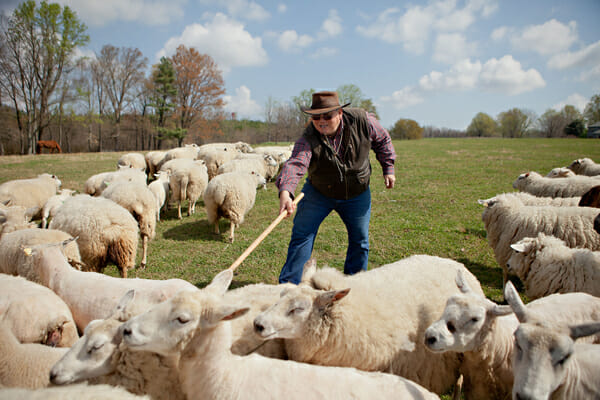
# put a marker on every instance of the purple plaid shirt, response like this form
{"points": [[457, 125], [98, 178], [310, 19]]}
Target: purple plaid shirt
{"points": [[296, 166]]}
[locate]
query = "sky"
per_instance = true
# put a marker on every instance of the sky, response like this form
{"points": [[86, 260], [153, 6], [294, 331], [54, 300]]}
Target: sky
{"points": [[437, 62]]}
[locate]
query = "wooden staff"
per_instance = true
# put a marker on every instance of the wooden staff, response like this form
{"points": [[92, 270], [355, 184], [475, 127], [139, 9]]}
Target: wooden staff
{"points": [[263, 235]]}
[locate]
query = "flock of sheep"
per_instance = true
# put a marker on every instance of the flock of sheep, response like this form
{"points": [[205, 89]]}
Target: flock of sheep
{"points": [[413, 329]]}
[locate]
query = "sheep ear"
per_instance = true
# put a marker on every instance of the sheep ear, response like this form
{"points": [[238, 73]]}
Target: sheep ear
{"points": [[584, 330], [121, 308], [518, 247], [461, 283], [221, 282], [310, 267], [514, 300], [326, 299], [498, 311]]}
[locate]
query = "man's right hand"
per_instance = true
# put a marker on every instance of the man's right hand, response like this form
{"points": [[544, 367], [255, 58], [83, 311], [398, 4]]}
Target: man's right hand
{"points": [[286, 203]]}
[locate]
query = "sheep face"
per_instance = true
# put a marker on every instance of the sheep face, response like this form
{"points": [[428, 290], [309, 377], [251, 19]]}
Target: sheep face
{"points": [[522, 251], [297, 307], [91, 355]]}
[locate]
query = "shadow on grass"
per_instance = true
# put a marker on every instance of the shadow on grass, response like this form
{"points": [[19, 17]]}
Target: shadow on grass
{"points": [[197, 230], [491, 277], [481, 233]]}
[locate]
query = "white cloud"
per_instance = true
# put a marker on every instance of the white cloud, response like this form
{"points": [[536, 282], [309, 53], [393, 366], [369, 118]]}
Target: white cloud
{"points": [[224, 39], [548, 38], [499, 33], [403, 98], [332, 26], [576, 100], [463, 75], [242, 103], [281, 8], [451, 47], [243, 9], [148, 12], [507, 76], [290, 41], [592, 75], [589, 55], [324, 52]]}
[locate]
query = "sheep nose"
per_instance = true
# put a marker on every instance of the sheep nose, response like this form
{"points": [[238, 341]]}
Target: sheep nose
{"points": [[126, 331], [258, 327], [520, 396], [52, 376], [430, 340]]}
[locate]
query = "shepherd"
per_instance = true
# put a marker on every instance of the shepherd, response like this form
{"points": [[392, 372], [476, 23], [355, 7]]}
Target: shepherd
{"points": [[48, 144]]}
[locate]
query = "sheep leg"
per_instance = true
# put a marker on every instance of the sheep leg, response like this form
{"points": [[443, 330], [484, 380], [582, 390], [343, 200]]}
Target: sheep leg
{"points": [[179, 210], [190, 207], [231, 230], [217, 231], [144, 251], [457, 388]]}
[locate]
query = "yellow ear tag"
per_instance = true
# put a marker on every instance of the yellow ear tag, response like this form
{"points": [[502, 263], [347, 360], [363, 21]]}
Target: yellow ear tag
{"points": [[27, 251]]}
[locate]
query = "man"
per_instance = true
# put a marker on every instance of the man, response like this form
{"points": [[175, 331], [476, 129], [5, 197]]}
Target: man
{"points": [[334, 150]]}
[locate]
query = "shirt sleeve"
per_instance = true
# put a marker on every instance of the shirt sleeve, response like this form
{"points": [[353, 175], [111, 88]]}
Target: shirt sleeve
{"points": [[295, 167], [381, 143]]}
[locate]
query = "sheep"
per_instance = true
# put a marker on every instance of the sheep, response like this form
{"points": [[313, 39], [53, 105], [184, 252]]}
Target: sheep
{"points": [[373, 320], [35, 314], [534, 183], [482, 332], [53, 203], [585, 166], [15, 262], [531, 200], [241, 147], [15, 218], [71, 392], [548, 363], [280, 153], [25, 365], [231, 195], [96, 184], [507, 221], [560, 172], [189, 151], [262, 164], [214, 158], [188, 180], [201, 335], [141, 203], [106, 231], [29, 193], [546, 265], [153, 160], [132, 160], [92, 295], [160, 189]]}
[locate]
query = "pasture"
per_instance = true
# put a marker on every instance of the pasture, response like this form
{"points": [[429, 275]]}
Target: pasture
{"points": [[432, 210]]}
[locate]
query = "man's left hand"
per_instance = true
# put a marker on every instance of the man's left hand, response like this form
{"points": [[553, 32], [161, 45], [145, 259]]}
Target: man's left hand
{"points": [[389, 180]]}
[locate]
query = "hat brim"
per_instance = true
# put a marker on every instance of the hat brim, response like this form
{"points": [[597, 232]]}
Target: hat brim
{"points": [[320, 111]]}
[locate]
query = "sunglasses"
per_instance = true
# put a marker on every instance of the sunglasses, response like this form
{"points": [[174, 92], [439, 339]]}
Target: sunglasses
{"points": [[327, 116]]}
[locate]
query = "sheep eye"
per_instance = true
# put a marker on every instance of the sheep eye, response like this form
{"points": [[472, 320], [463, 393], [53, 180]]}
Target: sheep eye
{"points": [[562, 361], [474, 320], [296, 310], [183, 320], [451, 327], [95, 347]]}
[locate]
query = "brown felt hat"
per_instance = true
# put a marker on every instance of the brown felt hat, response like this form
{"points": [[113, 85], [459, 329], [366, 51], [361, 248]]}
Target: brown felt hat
{"points": [[324, 102]]}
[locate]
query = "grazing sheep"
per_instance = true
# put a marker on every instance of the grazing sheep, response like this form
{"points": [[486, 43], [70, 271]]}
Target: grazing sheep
{"points": [[132, 160], [29, 193], [374, 320], [534, 183], [261, 164], [35, 314], [141, 203], [187, 182], [160, 189], [507, 221], [71, 392], [92, 295], [560, 172], [15, 218], [231, 195], [585, 166], [208, 369], [531, 200], [483, 331], [105, 230], [153, 160], [96, 184], [25, 365], [15, 262], [53, 203], [546, 265], [548, 363], [214, 158]]}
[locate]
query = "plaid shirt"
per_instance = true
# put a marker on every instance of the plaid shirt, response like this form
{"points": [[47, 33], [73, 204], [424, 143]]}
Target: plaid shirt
{"points": [[296, 166]]}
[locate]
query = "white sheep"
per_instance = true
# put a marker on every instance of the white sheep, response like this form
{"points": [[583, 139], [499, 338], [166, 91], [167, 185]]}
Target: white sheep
{"points": [[160, 189], [29, 193], [374, 320], [531, 200], [241, 147], [35, 314], [560, 172], [546, 265], [189, 151], [547, 362], [194, 325], [105, 230], [153, 160], [231, 195], [214, 158], [188, 181], [482, 332], [132, 160], [53, 203], [534, 183], [262, 164], [15, 218], [141, 203], [507, 220], [95, 184], [92, 295], [70, 392], [15, 262], [25, 365], [280, 153], [585, 166]]}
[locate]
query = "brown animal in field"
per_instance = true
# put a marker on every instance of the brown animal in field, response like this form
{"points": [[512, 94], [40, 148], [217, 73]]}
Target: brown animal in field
{"points": [[48, 144]]}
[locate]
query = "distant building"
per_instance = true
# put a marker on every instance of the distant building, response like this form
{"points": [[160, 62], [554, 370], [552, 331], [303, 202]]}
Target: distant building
{"points": [[594, 131]]}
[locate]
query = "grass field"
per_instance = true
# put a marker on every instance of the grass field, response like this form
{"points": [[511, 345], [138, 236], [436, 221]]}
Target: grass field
{"points": [[432, 210]]}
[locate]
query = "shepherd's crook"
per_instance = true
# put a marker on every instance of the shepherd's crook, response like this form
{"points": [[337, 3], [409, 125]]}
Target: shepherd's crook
{"points": [[263, 235]]}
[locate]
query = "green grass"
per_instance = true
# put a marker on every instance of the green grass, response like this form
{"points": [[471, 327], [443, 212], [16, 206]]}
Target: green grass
{"points": [[432, 210]]}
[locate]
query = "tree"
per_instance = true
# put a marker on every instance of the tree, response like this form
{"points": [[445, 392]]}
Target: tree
{"points": [[37, 46], [592, 110], [482, 125], [352, 94], [576, 128], [552, 123], [406, 129], [164, 95], [515, 122]]}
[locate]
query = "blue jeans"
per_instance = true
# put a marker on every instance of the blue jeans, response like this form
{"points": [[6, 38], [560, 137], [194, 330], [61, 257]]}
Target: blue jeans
{"points": [[311, 211]]}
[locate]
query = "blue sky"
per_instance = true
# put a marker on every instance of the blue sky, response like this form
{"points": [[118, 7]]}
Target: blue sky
{"points": [[437, 62]]}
